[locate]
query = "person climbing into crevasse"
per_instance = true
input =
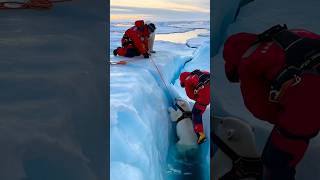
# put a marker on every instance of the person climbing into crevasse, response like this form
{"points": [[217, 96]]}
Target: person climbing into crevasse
{"points": [[278, 71], [197, 87], [135, 41]]}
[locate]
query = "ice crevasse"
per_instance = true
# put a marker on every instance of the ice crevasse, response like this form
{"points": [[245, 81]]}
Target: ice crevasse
{"points": [[140, 128]]}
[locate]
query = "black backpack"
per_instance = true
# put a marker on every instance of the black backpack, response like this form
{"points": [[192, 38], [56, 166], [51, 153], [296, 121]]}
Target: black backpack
{"points": [[302, 55], [204, 78]]}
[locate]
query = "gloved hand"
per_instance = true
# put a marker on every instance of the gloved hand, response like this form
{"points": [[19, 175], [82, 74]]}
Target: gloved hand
{"points": [[146, 55], [115, 52]]}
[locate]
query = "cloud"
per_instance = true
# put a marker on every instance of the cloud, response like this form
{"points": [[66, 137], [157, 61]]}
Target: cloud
{"points": [[177, 5], [155, 14]]}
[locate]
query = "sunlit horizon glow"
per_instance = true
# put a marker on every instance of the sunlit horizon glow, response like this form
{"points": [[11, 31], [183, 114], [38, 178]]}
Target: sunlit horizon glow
{"points": [[159, 9], [160, 5], [129, 17]]}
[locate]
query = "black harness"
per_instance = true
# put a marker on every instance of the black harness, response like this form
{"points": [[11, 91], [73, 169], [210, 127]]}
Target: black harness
{"points": [[243, 167], [185, 114], [302, 56], [204, 79], [127, 41]]}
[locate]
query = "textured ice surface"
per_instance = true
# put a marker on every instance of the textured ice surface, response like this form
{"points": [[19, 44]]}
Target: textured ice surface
{"points": [[141, 131]]}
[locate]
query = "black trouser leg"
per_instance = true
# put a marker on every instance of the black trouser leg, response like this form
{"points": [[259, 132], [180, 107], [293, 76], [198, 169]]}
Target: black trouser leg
{"points": [[276, 163], [131, 52]]}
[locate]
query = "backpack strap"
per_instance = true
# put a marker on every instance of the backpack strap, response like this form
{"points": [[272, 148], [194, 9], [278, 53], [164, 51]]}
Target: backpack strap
{"points": [[286, 39], [270, 33], [126, 41], [204, 78]]}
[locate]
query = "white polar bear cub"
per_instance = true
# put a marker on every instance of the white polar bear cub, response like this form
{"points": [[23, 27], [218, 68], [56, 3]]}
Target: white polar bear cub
{"points": [[239, 136], [187, 136]]}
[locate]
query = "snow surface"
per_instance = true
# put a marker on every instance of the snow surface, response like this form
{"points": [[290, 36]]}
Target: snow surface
{"points": [[193, 33], [165, 27], [52, 93], [185, 37], [196, 42], [142, 135], [256, 17]]}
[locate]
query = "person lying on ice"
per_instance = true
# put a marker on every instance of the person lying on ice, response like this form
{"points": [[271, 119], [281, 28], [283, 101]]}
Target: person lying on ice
{"points": [[135, 41], [278, 71], [197, 87]]}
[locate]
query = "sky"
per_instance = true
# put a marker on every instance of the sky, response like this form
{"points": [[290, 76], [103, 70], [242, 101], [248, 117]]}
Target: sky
{"points": [[159, 10]]}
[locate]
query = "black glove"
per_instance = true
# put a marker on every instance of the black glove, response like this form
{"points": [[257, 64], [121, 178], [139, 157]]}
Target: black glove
{"points": [[115, 52], [146, 55]]}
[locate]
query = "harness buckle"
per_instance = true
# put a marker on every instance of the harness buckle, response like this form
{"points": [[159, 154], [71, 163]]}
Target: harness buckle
{"points": [[289, 77], [195, 91], [297, 80], [274, 96]]}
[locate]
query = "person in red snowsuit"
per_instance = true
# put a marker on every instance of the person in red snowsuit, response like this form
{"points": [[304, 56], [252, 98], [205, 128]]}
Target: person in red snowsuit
{"points": [[258, 64], [135, 40], [197, 87]]}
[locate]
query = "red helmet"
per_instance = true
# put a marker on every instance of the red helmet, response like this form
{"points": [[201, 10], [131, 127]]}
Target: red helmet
{"points": [[183, 77], [234, 48]]}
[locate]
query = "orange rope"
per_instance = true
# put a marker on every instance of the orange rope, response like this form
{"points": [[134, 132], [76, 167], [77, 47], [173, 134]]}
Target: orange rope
{"points": [[122, 62], [30, 4], [118, 62]]}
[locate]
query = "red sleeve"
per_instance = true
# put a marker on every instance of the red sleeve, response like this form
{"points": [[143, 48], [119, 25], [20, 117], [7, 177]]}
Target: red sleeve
{"points": [[234, 48], [255, 90], [146, 38], [203, 96], [189, 91], [193, 80], [146, 43], [135, 36]]}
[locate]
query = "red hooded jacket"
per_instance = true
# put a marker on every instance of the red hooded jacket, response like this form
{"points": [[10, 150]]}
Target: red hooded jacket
{"points": [[298, 109], [202, 97], [139, 35]]}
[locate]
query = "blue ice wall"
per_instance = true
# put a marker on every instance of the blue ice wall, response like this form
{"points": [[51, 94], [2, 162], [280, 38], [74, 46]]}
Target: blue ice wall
{"points": [[223, 13]]}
